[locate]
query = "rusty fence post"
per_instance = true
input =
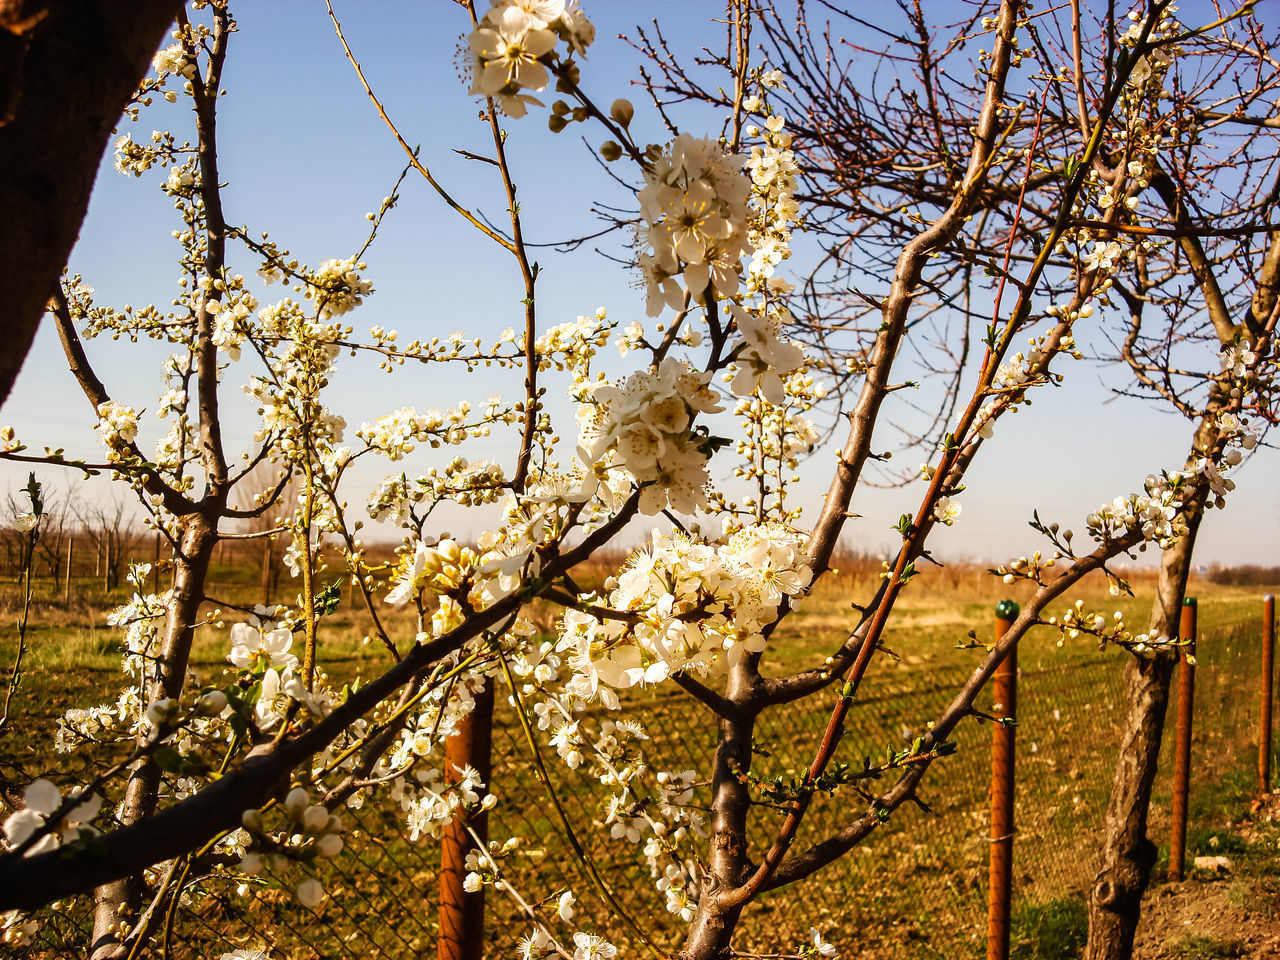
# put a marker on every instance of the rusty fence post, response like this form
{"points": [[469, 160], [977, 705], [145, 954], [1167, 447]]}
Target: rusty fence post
{"points": [[461, 935], [1264, 722], [1000, 868], [1182, 746]]}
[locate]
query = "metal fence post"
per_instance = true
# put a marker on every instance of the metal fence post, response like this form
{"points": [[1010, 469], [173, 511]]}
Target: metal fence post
{"points": [[461, 934], [1000, 868], [1182, 747], [1264, 723]]}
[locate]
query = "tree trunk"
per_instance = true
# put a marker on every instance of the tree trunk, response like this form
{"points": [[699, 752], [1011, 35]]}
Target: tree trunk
{"points": [[116, 904], [728, 864], [1115, 901], [67, 69]]}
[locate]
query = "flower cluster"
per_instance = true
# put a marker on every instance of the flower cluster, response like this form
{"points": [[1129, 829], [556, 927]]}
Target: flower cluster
{"points": [[337, 287], [173, 59], [427, 798], [464, 482], [311, 832], [762, 359], [1150, 68], [17, 929], [772, 167], [682, 605], [570, 346], [694, 206], [643, 428], [42, 801], [396, 434], [1027, 369], [1154, 513], [512, 43], [1030, 568], [231, 322], [260, 650], [117, 425]]}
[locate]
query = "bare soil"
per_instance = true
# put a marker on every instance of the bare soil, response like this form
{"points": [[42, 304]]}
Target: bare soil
{"points": [[1221, 913]]}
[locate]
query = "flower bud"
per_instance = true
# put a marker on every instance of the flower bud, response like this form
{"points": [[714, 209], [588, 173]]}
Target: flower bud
{"points": [[252, 821], [212, 703], [449, 550], [315, 818], [610, 150], [162, 712], [309, 892], [296, 802], [251, 863], [330, 845], [622, 111]]}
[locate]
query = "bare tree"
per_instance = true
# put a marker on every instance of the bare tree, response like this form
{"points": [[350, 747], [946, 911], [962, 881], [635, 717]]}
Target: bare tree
{"points": [[112, 528]]}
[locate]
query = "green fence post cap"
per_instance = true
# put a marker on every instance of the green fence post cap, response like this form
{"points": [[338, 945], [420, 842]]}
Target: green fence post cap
{"points": [[1188, 601], [1007, 610]]}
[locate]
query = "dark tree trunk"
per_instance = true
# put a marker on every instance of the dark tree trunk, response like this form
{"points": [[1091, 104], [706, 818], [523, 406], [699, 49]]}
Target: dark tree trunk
{"points": [[728, 862], [116, 904], [1115, 901], [67, 69]]}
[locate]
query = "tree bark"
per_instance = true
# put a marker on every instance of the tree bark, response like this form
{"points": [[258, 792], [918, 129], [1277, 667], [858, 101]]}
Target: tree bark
{"points": [[1115, 900], [116, 903], [728, 864], [67, 70]]}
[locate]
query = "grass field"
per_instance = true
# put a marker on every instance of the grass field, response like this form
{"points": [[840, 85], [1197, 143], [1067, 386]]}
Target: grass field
{"points": [[917, 889]]}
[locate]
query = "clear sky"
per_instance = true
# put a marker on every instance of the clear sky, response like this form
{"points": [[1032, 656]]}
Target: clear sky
{"points": [[305, 156]]}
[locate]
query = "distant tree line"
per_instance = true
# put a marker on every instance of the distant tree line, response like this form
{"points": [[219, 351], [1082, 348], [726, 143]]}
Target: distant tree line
{"points": [[1246, 575]]}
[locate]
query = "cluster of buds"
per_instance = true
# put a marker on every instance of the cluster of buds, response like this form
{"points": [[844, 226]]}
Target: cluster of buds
{"points": [[1027, 568], [1077, 620], [17, 929], [167, 713], [482, 867], [312, 833], [442, 568]]}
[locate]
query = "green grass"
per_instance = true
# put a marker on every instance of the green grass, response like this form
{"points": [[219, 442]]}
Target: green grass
{"points": [[1052, 930], [918, 890], [1192, 947]]}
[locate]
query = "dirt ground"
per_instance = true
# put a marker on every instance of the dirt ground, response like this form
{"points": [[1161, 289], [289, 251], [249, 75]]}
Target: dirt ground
{"points": [[1221, 911]]}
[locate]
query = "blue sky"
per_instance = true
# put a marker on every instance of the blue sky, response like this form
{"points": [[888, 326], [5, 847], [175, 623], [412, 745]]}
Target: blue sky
{"points": [[305, 156]]}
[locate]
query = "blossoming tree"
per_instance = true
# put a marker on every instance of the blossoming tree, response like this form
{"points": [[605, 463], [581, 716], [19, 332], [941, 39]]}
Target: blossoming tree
{"points": [[1173, 247], [247, 773]]}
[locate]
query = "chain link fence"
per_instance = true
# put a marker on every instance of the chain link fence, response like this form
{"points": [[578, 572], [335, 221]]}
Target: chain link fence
{"points": [[916, 888]]}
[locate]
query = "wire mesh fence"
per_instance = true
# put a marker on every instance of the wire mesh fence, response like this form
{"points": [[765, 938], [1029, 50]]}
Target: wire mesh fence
{"points": [[920, 881]]}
